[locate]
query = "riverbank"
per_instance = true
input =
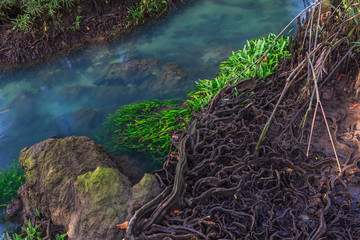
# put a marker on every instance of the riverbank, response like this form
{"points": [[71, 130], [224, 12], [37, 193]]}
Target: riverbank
{"points": [[278, 161], [28, 42]]}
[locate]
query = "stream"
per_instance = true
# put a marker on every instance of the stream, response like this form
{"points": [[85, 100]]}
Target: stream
{"points": [[74, 94]]}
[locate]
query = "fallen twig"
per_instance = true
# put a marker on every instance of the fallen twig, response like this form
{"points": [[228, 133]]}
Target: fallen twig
{"points": [[318, 102]]}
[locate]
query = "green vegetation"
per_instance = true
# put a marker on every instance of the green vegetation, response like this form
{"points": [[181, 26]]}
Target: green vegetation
{"points": [[137, 14], [30, 233], [35, 15], [350, 9], [238, 62], [145, 126], [23, 13], [11, 179]]}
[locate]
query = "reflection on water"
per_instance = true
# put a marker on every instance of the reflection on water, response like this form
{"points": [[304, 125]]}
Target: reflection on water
{"points": [[74, 94]]}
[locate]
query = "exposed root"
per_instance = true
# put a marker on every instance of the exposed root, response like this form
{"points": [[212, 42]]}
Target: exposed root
{"points": [[281, 190]]}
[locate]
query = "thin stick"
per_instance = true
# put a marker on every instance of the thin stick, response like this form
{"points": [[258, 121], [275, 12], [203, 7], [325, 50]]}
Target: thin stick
{"points": [[310, 38], [335, 9], [317, 30], [331, 140], [323, 112], [338, 64], [346, 9], [303, 121], [306, 31], [312, 128], [326, 79]]}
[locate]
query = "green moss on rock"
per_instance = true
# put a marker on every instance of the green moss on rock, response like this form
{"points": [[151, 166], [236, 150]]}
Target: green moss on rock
{"points": [[28, 163], [55, 174], [100, 184], [145, 186], [75, 183]]}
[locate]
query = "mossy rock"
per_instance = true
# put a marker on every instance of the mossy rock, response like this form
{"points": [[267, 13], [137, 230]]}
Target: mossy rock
{"points": [[74, 183]]}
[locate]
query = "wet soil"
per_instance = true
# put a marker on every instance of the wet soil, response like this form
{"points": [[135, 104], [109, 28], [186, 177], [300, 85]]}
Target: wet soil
{"points": [[19, 49]]}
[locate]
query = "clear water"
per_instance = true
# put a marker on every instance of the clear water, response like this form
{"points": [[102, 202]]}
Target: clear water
{"points": [[60, 97]]}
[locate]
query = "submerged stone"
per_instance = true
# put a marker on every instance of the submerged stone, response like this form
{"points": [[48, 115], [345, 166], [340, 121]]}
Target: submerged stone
{"points": [[151, 77], [134, 72]]}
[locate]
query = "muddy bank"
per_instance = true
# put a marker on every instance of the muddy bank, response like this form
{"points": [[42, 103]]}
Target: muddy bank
{"points": [[228, 178], [19, 49]]}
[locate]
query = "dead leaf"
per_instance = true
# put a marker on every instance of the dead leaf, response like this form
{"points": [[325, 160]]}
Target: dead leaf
{"points": [[123, 225], [354, 105]]}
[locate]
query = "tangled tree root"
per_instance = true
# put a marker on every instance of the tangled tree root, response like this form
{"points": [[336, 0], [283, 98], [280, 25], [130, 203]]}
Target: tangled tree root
{"points": [[219, 185], [232, 193]]}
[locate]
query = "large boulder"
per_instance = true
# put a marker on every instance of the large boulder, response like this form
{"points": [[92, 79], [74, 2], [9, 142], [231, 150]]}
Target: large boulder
{"points": [[73, 183]]}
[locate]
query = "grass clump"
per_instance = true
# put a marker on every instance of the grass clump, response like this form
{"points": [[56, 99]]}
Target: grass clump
{"points": [[23, 13], [350, 10], [137, 14], [11, 178], [145, 126], [238, 62], [30, 233]]}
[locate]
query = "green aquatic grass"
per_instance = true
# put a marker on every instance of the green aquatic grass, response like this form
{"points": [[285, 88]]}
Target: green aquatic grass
{"points": [[238, 62], [11, 178], [145, 126]]}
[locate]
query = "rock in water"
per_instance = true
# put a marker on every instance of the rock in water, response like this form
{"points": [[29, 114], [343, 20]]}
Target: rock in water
{"points": [[129, 73], [74, 184]]}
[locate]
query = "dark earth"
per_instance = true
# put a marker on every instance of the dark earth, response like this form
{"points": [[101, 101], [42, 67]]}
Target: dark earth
{"points": [[19, 49], [221, 184]]}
